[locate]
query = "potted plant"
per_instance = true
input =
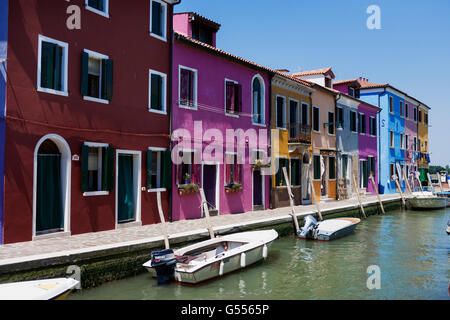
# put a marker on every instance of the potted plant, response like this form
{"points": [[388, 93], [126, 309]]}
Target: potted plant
{"points": [[233, 187]]}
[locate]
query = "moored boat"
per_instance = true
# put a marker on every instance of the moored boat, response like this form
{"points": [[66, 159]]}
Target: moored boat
{"points": [[426, 199], [445, 194], [211, 258], [327, 230], [49, 289]]}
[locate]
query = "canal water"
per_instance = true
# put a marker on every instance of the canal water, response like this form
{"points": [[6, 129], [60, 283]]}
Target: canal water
{"points": [[411, 249]]}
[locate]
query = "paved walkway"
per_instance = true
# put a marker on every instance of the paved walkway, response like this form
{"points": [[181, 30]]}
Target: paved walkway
{"points": [[53, 247]]}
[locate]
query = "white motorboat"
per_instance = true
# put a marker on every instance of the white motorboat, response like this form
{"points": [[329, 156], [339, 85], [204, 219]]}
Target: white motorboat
{"points": [[328, 229], [211, 258], [445, 194], [49, 289], [426, 199]]}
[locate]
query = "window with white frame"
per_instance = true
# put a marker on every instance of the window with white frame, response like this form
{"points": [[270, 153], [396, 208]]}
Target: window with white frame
{"points": [[157, 92], [402, 144], [97, 165], [52, 66], [353, 121], [331, 122], [233, 97], [188, 87], [305, 114], [391, 104], [401, 108], [100, 7], [406, 141], [281, 112], [233, 169], [159, 166], [258, 101], [373, 126], [316, 119], [96, 77], [391, 139], [158, 19]]}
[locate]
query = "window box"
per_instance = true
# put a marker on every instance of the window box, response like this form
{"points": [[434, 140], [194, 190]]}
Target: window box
{"points": [[190, 188], [233, 188], [259, 164]]}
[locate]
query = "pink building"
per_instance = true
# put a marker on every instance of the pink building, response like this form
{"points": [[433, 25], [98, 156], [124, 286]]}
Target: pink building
{"points": [[214, 91]]}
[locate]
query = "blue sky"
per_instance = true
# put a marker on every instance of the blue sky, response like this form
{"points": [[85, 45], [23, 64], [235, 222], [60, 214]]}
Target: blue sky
{"points": [[411, 51]]}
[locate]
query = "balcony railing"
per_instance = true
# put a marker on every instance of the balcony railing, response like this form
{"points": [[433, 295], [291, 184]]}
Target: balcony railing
{"points": [[299, 133]]}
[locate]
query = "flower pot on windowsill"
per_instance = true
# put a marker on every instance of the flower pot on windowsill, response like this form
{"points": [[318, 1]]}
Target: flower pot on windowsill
{"points": [[188, 189], [233, 188], [259, 164]]}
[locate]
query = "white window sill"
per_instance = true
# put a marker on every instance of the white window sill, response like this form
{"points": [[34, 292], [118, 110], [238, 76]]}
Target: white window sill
{"points": [[157, 190], [102, 13], [129, 225], [87, 98], [95, 193], [194, 107], [157, 111], [281, 128], [52, 91], [154, 35], [231, 115], [52, 235], [259, 124]]}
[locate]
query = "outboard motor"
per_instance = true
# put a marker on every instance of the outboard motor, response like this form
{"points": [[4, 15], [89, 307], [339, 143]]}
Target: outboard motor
{"points": [[308, 229], [164, 262]]}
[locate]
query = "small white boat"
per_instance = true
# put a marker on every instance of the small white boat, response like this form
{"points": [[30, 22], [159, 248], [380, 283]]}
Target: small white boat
{"points": [[328, 229], [49, 289], [211, 258], [426, 199], [445, 194]]}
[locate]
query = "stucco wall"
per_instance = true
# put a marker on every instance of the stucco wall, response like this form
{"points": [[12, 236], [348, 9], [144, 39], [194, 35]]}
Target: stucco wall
{"points": [[212, 72], [368, 143]]}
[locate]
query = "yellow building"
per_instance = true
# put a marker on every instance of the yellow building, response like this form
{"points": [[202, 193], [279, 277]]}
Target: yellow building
{"points": [[291, 139], [423, 141]]}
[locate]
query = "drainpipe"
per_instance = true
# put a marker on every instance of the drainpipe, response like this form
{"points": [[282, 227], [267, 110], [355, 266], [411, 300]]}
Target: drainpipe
{"points": [[171, 42], [338, 97], [270, 141]]}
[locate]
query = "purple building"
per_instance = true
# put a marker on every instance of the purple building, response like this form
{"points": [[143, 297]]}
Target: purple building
{"points": [[220, 123]]}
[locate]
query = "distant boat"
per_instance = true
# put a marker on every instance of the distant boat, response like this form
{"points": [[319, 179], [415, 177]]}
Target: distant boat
{"points": [[426, 199], [49, 289], [211, 258], [327, 230]]}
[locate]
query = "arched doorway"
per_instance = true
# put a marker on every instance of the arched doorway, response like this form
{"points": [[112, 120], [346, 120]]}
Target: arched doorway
{"points": [[51, 195]]}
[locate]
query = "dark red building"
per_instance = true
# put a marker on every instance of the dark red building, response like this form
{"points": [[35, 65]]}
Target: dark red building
{"points": [[87, 116]]}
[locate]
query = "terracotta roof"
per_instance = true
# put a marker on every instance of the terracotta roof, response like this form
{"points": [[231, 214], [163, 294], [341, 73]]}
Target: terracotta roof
{"points": [[195, 15], [365, 84], [182, 37], [314, 72]]}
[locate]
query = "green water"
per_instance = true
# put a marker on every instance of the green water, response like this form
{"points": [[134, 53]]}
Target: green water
{"points": [[411, 249]]}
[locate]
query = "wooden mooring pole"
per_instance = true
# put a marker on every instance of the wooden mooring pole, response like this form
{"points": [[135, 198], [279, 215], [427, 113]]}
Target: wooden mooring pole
{"points": [[163, 220], [291, 201], [400, 190], [206, 211], [407, 181], [359, 199], [378, 195], [315, 199]]}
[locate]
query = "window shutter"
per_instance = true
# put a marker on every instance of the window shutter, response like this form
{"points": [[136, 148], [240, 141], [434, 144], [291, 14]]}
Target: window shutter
{"points": [[184, 86], [156, 18], [84, 168], [229, 96], [239, 98], [191, 88], [149, 169], [84, 73], [47, 64], [108, 77], [166, 170], [58, 68]]}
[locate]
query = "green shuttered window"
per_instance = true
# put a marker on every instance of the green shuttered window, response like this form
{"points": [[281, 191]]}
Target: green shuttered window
{"points": [[159, 169], [97, 75], [97, 168], [279, 178], [157, 94], [52, 66], [316, 164]]}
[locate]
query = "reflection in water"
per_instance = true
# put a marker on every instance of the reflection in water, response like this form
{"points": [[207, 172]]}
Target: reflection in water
{"points": [[410, 247]]}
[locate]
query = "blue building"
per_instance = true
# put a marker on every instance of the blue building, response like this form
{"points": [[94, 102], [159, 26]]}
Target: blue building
{"points": [[391, 129], [3, 51]]}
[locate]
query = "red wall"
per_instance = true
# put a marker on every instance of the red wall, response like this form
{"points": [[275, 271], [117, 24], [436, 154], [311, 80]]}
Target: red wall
{"points": [[125, 123]]}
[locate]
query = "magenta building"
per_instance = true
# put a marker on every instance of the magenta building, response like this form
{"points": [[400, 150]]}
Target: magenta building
{"points": [[214, 91]]}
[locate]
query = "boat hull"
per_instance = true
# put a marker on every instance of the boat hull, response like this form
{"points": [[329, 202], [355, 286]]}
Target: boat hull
{"points": [[225, 263], [342, 232], [445, 195], [427, 203], [49, 289]]}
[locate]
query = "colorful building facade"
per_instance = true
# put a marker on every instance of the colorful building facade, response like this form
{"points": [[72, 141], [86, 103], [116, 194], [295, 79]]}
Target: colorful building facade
{"points": [[84, 115], [291, 143], [323, 136], [423, 157], [411, 136], [356, 138], [3, 56], [216, 93]]}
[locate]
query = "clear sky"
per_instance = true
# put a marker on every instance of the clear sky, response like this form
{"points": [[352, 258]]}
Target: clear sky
{"points": [[411, 51]]}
